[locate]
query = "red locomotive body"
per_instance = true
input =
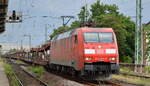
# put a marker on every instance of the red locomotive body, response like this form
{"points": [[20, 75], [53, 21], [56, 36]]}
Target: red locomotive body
{"points": [[86, 50]]}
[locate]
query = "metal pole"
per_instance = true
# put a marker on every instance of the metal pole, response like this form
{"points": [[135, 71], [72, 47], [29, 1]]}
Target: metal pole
{"points": [[138, 35], [63, 21], [46, 32], [0, 50], [30, 41], [136, 41], [21, 45], [85, 11], [141, 28]]}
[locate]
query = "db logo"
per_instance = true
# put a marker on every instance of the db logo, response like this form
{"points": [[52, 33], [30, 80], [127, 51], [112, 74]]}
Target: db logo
{"points": [[99, 46], [100, 51]]}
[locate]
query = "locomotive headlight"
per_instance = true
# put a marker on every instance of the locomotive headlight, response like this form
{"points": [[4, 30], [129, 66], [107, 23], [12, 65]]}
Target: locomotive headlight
{"points": [[110, 51], [112, 58], [88, 58]]}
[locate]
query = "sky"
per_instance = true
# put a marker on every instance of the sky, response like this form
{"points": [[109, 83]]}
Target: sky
{"points": [[33, 24]]}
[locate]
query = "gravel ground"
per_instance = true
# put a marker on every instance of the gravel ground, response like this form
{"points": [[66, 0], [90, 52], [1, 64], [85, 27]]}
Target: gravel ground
{"points": [[25, 78], [123, 83], [54, 80]]}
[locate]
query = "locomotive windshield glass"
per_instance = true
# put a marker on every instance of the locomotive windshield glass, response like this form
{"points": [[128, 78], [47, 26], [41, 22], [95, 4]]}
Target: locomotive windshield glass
{"points": [[91, 37], [106, 37], [98, 37]]}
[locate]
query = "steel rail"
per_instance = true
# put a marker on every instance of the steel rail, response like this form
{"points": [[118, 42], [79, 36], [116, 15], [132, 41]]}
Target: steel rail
{"points": [[113, 83], [21, 84], [135, 75], [42, 83], [28, 73]]}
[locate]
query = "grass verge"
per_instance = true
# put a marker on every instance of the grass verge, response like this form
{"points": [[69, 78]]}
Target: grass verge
{"points": [[125, 69], [10, 74], [131, 79], [2, 59], [147, 69], [19, 61], [38, 70]]}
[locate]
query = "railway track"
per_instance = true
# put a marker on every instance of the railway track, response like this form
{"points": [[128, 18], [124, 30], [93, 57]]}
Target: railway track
{"points": [[18, 80], [30, 74], [114, 83], [103, 83], [85, 83], [135, 75], [26, 78]]}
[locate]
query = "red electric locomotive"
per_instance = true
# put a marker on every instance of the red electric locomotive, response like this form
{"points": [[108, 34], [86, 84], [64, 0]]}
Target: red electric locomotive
{"points": [[90, 52]]}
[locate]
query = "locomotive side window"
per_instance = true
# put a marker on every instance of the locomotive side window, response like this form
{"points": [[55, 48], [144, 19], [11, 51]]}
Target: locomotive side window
{"points": [[91, 37], [106, 37], [76, 39]]}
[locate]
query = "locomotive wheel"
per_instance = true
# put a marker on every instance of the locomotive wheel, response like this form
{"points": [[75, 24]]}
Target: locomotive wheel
{"points": [[93, 76], [73, 73]]}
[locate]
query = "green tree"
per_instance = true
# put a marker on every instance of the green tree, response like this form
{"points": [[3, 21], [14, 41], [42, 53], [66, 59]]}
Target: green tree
{"points": [[75, 24], [108, 16], [59, 30], [99, 9], [147, 50]]}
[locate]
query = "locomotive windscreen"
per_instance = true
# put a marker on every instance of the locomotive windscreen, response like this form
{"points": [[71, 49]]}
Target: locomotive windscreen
{"points": [[98, 37]]}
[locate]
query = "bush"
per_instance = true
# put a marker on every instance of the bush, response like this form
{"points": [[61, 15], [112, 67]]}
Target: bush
{"points": [[147, 69], [127, 59]]}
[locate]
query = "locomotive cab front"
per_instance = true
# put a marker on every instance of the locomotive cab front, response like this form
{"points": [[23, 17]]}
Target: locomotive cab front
{"points": [[100, 51]]}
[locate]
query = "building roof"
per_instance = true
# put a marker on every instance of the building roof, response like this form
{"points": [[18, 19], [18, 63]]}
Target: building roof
{"points": [[3, 12]]}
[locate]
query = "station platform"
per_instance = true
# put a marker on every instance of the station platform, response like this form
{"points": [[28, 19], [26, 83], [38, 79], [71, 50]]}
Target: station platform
{"points": [[3, 77]]}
